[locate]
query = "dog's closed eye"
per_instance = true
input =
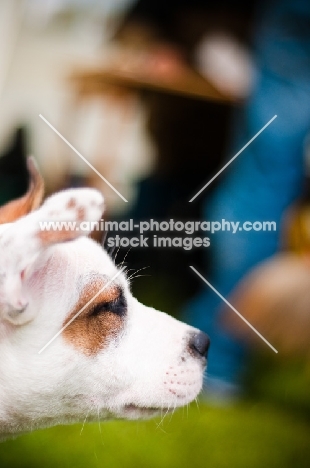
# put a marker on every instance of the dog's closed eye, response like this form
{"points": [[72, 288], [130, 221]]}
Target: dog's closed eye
{"points": [[100, 320], [117, 306]]}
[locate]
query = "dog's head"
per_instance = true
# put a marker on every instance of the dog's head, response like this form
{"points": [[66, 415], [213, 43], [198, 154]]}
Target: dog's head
{"points": [[112, 356]]}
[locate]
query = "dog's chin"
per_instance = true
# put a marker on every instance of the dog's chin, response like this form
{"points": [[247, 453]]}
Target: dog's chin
{"points": [[132, 411]]}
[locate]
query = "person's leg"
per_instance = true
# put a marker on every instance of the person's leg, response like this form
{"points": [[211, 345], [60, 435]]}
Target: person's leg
{"points": [[265, 179]]}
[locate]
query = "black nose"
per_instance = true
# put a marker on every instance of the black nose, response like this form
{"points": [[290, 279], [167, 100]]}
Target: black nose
{"points": [[199, 344]]}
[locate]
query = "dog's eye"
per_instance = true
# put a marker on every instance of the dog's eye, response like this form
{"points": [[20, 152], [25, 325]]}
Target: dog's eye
{"points": [[117, 306]]}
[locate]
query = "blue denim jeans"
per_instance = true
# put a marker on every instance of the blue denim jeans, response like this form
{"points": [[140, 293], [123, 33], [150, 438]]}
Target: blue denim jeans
{"points": [[265, 179]]}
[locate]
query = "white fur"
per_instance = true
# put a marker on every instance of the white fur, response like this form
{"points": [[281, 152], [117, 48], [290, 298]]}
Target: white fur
{"points": [[147, 367]]}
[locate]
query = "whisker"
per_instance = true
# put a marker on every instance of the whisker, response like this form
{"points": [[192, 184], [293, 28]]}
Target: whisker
{"points": [[116, 254], [84, 422], [137, 271], [174, 408], [104, 237], [136, 276], [127, 270], [158, 426], [120, 266], [98, 412], [197, 404], [110, 251], [162, 419]]}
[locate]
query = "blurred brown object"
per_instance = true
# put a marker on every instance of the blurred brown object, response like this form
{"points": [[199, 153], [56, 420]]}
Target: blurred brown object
{"points": [[275, 299], [297, 235], [186, 117], [157, 69], [212, 38]]}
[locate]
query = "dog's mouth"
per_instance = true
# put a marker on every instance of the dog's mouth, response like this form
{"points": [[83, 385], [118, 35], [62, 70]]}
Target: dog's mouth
{"points": [[131, 410]]}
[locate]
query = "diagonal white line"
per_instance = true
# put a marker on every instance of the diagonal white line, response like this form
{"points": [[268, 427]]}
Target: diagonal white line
{"points": [[233, 158], [232, 307], [82, 157], [81, 310]]}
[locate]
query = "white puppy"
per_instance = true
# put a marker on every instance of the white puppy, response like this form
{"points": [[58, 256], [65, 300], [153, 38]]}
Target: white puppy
{"points": [[115, 357]]}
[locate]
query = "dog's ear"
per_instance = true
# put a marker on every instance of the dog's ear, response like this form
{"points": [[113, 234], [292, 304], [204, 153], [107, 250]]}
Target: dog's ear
{"points": [[30, 201], [63, 217]]}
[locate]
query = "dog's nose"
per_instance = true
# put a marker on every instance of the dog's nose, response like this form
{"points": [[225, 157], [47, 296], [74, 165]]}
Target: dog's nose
{"points": [[199, 344]]}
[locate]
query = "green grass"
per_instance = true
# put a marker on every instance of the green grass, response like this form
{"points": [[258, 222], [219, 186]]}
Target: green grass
{"points": [[282, 382], [249, 435]]}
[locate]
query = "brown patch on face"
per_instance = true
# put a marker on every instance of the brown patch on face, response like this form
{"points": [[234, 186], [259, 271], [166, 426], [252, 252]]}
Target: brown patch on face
{"points": [[96, 325], [29, 202]]}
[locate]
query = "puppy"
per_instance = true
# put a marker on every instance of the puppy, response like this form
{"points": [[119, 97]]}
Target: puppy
{"points": [[107, 354]]}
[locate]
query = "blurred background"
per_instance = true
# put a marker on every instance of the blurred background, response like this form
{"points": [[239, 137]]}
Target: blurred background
{"points": [[158, 96]]}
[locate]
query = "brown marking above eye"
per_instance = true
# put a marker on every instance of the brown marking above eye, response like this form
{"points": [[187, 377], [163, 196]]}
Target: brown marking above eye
{"points": [[100, 321]]}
